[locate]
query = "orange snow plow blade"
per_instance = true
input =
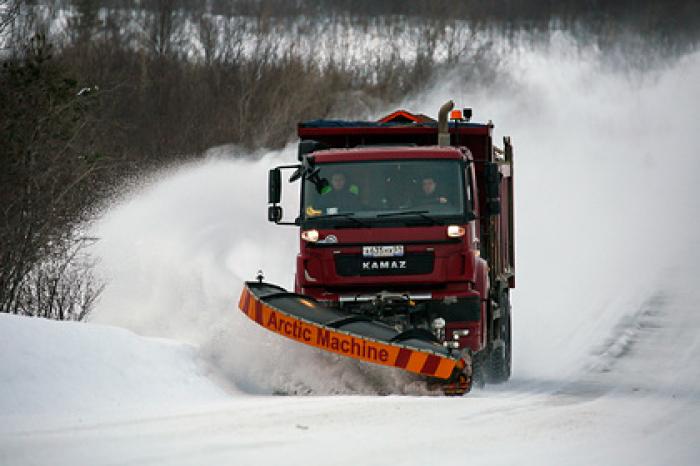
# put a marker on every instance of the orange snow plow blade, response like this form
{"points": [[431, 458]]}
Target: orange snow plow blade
{"points": [[305, 320]]}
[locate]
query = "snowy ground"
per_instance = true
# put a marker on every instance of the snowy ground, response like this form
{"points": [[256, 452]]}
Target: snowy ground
{"points": [[104, 396], [606, 321]]}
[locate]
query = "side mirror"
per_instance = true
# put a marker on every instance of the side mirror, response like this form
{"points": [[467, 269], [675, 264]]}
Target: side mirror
{"points": [[274, 191], [274, 186], [274, 213], [493, 188]]}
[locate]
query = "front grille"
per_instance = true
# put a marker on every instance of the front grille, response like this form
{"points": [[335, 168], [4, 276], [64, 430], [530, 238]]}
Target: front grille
{"points": [[354, 265]]}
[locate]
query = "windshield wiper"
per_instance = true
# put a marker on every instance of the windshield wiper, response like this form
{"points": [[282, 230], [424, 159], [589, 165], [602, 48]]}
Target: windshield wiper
{"points": [[420, 213], [348, 215]]}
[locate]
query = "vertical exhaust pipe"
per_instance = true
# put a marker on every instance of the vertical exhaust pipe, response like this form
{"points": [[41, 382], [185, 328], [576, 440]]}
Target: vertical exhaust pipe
{"points": [[443, 129]]}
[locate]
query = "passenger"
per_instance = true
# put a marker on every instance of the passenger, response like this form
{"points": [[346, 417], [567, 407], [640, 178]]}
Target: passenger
{"points": [[430, 194]]}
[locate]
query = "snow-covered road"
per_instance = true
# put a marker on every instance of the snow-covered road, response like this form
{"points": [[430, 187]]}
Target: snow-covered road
{"points": [[638, 405], [606, 313]]}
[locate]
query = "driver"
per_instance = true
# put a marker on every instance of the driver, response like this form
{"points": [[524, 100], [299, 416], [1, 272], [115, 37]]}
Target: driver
{"points": [[430, 193], [339, 195]]}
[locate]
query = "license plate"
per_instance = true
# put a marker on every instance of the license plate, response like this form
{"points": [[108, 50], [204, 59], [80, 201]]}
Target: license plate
{"points": [[382, 251]]}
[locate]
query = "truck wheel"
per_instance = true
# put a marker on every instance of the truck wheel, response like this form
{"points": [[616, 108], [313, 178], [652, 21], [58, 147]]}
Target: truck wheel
{"points": [[478, 370], [500, 355]]}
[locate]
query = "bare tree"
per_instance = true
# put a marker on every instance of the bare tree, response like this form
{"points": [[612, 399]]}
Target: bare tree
{"points": [[83, 26], [163, 22], [47, 176], [9, 9], [63, 284]]}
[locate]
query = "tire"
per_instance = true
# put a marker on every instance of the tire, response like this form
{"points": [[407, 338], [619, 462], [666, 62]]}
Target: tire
{"points": [[478, 370], [500, 355]]}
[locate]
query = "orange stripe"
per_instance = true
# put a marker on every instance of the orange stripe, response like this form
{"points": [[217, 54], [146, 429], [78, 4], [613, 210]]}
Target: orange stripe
{"points": [[416, 362], [246, 301], [249, 303], [445, 368], [241, 301], [265, 312]]}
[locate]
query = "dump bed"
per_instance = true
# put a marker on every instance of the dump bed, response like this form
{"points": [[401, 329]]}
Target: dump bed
{"points": [[342, 133]]}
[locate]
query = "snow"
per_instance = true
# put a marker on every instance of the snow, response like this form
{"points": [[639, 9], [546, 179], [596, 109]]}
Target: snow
{"points": [[72, 371], [606, 321], [621, 416]]}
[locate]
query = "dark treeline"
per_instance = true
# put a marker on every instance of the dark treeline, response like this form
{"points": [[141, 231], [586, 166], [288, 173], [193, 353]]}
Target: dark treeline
{"points": [[174, 81], [670, 17], [174, 78], [93, 93], [667, 20], [673, 24]]}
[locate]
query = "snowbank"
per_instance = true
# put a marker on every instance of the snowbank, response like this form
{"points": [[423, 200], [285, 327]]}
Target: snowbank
{"points": [[73, 370]]}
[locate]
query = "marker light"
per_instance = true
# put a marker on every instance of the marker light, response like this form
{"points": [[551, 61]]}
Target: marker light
{"points": [[439, 323], [455, 231], [439, 328], [310, 235], [456, 114]]}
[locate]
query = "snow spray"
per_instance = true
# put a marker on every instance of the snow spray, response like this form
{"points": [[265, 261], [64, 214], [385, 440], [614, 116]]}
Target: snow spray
{"points": [[603, 165]]}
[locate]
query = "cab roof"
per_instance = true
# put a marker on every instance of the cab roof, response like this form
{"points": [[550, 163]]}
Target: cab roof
{"points": [[388, 153]]}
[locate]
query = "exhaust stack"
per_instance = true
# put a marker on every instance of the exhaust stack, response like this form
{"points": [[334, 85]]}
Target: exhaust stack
{"points": [[443, 129]]}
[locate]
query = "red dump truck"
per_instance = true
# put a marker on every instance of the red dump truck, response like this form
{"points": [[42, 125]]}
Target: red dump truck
{"points": [[406, 246]]}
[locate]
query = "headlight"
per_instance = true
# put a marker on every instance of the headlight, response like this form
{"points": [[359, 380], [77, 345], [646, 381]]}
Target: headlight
{"points": [[455, 231], [310, 235]]}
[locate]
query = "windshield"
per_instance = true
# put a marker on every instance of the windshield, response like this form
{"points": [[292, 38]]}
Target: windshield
{"points": [[381, 191]]}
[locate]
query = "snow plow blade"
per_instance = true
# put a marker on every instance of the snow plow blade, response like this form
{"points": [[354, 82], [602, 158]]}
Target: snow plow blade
{"points": [[305, 320]]}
